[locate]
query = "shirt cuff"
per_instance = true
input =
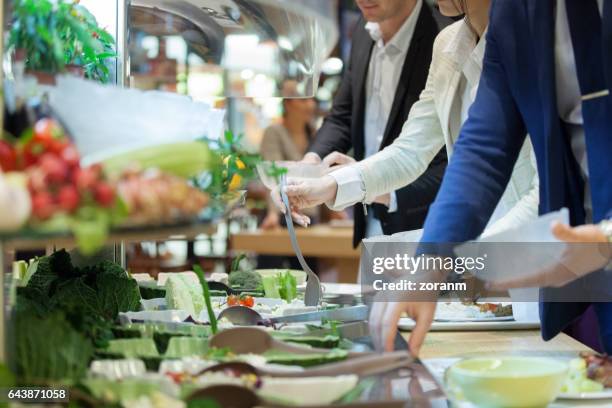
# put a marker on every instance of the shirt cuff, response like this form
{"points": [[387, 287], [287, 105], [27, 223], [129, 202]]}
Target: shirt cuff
{"points": [[392, 203], [351, 188]]}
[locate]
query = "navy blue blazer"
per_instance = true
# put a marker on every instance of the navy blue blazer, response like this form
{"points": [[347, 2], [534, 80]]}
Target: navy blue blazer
{"points": [[517, 95]]}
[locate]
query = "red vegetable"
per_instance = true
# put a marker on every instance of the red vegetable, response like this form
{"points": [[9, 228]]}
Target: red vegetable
{"points": [[54, 167], [48, 137], [104, 194], [246, 300], [42, 205], [8, 157], [68, 198], [70, 155], [85, 179], [233, 300]]}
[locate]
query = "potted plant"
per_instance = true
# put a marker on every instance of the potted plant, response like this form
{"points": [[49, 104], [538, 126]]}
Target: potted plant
{"points": [[54, 36]]}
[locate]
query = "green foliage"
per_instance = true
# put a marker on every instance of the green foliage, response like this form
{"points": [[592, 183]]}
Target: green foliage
{"points": [[202, 403], [246, 280], [57, 33], [231, 159], [276, 172], [49, 348], [287, 286], [209, 309], [236, 262], [90, 297]]}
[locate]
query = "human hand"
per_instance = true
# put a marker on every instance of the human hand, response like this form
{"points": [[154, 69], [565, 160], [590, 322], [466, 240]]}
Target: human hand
{"points": [[587, 251], [305, 193], [311, 158], [271, 221], [297, 216], [419, 305], [384, 319], [338, 159]]}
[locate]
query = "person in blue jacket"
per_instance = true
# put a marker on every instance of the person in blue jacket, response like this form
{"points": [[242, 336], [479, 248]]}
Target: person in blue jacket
{"points": [[547, 72]]}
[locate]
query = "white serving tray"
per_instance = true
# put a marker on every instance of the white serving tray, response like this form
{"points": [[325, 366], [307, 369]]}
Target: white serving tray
{"points": [[407, 324]]}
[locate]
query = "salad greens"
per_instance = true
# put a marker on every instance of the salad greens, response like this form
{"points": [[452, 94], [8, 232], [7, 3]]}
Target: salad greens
{"points": [[283, 286], [245, 280], [304, 360], [49, 348], [63, 313]]}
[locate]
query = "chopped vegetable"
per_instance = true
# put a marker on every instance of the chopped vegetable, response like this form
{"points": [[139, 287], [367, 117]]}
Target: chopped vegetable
{"points": [[577, 380], [245, 280], [270, 288], [287, 286], [304, 360], [233, 300]]}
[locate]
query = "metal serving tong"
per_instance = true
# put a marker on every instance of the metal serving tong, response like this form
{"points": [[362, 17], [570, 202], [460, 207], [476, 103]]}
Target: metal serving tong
{"points": [[313, 293]]}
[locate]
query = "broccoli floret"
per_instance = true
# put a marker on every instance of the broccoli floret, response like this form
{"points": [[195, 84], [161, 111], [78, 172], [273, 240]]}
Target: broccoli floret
{"points": [[245, 280]]}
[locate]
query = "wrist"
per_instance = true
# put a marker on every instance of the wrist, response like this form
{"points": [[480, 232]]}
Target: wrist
{"points": [[606, 227], [331, 188], [312, 158]]}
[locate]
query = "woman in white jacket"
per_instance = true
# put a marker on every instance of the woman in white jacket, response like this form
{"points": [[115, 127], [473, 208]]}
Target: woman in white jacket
{"points": [[434, 122]]}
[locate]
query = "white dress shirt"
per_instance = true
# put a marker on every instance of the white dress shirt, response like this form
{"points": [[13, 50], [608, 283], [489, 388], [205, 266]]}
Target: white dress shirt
{"points": [[569, 97], [386, 65], [434, 121]]}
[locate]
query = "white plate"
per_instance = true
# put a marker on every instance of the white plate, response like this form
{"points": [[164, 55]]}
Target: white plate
{"points": [[407, 324], [163, 316], [605, 394], [474, 319]]}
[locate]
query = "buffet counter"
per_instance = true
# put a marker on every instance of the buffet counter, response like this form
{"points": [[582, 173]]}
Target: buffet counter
{"points": [[476, 344]]}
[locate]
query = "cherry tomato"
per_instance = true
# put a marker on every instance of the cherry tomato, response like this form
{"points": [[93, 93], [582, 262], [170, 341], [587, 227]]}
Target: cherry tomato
{"points": [[8, 157], [246, 300], [48, 137], [233, 300], [47, 130], [176, 377]]}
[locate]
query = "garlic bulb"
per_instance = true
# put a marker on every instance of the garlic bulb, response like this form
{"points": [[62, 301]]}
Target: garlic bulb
{"points": [[15, 204]]}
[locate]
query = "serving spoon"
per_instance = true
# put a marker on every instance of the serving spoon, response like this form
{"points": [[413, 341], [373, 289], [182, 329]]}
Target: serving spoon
{"points": [[313, 293], [245, 340], [366, 365]]}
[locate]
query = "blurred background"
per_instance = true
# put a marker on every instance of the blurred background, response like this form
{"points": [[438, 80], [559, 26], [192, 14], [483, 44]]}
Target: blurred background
{"points": [[273, 66]]}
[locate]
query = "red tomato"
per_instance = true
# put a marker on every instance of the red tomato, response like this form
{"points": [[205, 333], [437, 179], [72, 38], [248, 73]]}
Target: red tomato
{"points": [[8, 157], [54, 167], [68, 198], [48, 130], [71, 156], [104, 194], [176, 377], [232, 300], [48, 137], [246, 300], [42, 206], [85, 179]]}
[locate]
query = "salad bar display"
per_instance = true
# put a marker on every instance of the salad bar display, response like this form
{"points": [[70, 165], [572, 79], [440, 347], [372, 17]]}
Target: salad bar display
{"points": [[114, 339]]}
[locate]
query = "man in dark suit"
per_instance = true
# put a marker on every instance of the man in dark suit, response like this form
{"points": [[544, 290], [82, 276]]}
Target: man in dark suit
{"points": [[387, 71], [548, 71]]}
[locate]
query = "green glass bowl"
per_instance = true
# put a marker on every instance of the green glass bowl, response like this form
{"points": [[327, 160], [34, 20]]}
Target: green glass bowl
{"points": [[508, 382]]}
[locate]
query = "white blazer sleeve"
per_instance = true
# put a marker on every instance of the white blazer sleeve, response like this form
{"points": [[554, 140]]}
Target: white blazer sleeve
{"points": [[526, 209], [408, 157]]}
